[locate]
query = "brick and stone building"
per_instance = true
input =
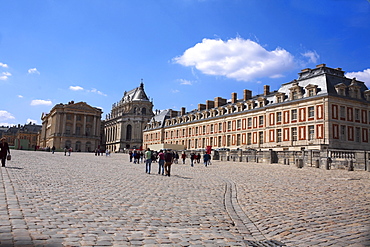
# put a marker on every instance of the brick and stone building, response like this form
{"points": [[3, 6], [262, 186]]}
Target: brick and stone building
{"points": [[22, 136], [75, 125], [322, 109], [124, 125]]}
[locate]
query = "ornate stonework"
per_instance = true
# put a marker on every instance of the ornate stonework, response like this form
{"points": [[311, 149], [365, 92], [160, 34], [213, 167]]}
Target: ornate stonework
{"points": [[124, 125], [75, 125]]}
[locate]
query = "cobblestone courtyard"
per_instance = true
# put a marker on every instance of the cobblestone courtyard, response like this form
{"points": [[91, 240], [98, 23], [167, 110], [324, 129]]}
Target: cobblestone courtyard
{"points": [[88, 200]]}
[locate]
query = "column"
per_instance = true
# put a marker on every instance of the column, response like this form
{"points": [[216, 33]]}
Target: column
{"points": [[64, 120], [94, 125], [84, 127], [74, 124]]}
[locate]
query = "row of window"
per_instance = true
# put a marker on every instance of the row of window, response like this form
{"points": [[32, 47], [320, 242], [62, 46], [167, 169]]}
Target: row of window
{"points": [[89, 119], [350, 114], [309, 133]]}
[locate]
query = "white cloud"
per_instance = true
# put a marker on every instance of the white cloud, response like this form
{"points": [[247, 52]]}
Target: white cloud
{"points": [[4, 76], [185, 82], [239, 59], [41, 102], [33, 71], [76, 88], [312, 56], [361, 76], [3, 65], [94, 90], [31, 121], [4, 115], [175, 91], [20, 96]]}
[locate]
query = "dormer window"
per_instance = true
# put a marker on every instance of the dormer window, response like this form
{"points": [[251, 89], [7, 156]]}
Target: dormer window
{"points": [[354, 89], [295, 91], [341, 89], [367, 95], [280, 97], [311, 90]]}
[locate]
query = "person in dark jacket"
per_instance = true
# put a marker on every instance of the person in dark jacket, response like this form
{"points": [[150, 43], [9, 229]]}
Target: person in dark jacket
{"points": [[4, 150]]}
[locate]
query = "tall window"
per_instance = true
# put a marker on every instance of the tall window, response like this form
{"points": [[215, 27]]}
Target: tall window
{"points": [[219, 127], [358, 134], [228, 140], [238, 142], [294, 134], [260, 120], [311, 112], [211, 128], [239, 124], [278, 117], [343, 132], [311, 132], [249, 138], [229, 125], [129, 132], [357, 114], [342, 112], [278, 135], [249, 122], [260, 137], [294, 114]]}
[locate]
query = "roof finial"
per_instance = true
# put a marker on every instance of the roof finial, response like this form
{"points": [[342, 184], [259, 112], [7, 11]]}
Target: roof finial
{"points": [[142, 83]]}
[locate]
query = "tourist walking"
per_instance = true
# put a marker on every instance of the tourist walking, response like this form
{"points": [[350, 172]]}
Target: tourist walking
{"points": [[183, 157], [168, 160], [69, 151], [148, 161], [130, 155], [192, 158], [206, 158], [4, 150], [53, 149], [198, 158], [161, 162]]}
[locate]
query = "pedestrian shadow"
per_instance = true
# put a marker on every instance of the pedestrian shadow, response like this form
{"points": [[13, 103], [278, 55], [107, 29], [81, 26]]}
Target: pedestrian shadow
{"points": [[178, 176], [12, 167], [267, 243]]}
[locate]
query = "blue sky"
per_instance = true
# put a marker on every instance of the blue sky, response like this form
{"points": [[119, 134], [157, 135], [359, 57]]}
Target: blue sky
{"points": [[186, 51]]}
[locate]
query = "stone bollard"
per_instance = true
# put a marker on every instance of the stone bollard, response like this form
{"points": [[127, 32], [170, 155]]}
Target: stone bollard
{"points": [[350, 165]]}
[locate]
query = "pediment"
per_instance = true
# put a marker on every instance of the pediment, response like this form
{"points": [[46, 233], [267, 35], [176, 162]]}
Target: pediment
{"points": [[80, 106]]}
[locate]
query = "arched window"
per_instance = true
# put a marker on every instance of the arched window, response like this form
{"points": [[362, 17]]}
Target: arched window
{"points": [[128, 132], [88, 147], [143, 111], [78, 146]]}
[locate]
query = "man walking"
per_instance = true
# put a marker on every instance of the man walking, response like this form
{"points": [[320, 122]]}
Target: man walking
{"points": [[161, 162], [148, 160], [168, 158]]}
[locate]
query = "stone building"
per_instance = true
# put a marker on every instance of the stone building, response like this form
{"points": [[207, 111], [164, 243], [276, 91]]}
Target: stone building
{"points": [[22, 136], [321, 109], [124, 125], [75, 125]]}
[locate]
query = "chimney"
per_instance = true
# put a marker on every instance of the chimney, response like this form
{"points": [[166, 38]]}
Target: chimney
{"points": [[220, 101], [247, 94], [201, 107], [183, 111], [234, 98], [210, 104], [266, 90], [321, 65]]}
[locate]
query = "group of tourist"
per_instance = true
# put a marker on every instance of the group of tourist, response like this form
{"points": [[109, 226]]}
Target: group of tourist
{"points": [[165, 159]]}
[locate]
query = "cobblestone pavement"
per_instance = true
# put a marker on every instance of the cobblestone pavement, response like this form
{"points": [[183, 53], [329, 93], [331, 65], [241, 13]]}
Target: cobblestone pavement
{"points": [[88, 200]]}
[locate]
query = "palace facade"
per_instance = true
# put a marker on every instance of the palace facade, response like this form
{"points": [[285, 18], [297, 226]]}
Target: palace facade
{"points": [[123, 127], [321, 109], [75, 125]]}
